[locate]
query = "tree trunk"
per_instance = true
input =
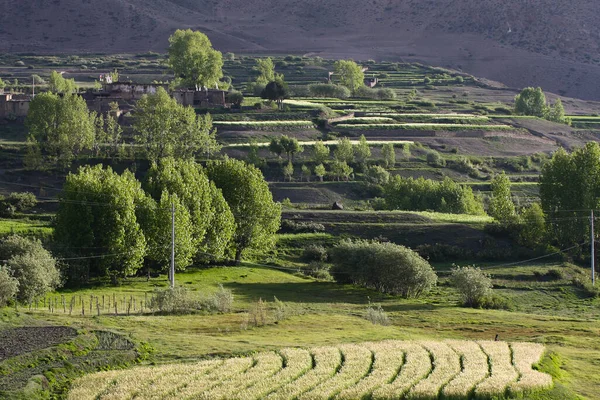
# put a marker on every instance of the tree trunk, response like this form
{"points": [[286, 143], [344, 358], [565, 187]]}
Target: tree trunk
{"points": [[238, 256]]}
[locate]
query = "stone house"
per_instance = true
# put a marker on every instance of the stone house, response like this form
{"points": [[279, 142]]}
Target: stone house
{"points": [[14, 105]]}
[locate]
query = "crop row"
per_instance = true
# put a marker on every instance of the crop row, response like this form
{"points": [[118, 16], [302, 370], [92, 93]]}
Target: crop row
{"points": [[384, 370], [426, 127], [264, 125]]}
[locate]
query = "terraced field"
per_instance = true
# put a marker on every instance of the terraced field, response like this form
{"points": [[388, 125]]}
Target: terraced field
{"points": [[379, 370]]}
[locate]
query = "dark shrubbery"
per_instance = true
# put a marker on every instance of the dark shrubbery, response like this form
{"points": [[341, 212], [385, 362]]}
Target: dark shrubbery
{"points": [[291, 226], [315, 252], [425, 194], [16, 202], [386, 267], [329, 90]]}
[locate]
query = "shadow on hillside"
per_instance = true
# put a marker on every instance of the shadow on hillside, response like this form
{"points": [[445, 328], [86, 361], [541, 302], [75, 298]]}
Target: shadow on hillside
{"points": [[305, 292], [325, 292]]}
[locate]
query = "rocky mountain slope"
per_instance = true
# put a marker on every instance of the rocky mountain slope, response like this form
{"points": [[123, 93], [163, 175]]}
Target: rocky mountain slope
{"points": [[552, 43]]}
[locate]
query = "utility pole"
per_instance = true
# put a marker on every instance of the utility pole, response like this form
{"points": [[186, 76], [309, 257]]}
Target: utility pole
{"points": [[592, 239], [33, 86], [172, 271]]}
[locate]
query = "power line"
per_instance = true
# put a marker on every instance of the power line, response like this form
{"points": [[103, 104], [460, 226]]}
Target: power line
{"points": [[533, 259]]}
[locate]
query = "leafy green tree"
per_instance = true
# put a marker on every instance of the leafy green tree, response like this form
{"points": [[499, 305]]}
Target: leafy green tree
{"points": [[425, 194], [329, 90], [362, 150], [472, 283], [350, 74], [377, 175], [571, 182], [531, 101], [557, 113], [236, 98], [306, 173], [386, 267], [31, 265], [256, 215], [276, 147], [165, 128], [9, 286], [501, 205], [97, 215], [219, 237], [344, 151], [266, 71], [341, 170], [321, 152], [2, 84], [290, 146], [58, 84], [320, 171], [389, 155], [108, 137], [193, 59], [276, 91], [60, 126], [187, 180], [533, 230], [435, 159], [253, 157], [288, 171], [158, 233]]}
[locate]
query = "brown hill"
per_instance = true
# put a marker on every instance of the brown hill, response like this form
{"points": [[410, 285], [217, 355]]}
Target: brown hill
{"points": [[551, 43]]}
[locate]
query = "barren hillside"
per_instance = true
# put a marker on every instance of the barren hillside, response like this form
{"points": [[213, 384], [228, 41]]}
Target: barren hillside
{"points": [[552, 43]]}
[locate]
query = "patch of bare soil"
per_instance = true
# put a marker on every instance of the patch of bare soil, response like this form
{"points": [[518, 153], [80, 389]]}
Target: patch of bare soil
{"points": [[16, 341]]}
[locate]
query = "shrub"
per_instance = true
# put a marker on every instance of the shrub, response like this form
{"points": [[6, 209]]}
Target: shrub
{"points": [[386, 267], [386, 94], [314, 252], [318, 270], [472, 283], [435, 159], [32, 265], [377, 175], [378, 204], [291, 226], [329, 90], [377, 316], [425, 194], [221, 300], [9, 287], [22, 201], [495, 302], [173, 300]]}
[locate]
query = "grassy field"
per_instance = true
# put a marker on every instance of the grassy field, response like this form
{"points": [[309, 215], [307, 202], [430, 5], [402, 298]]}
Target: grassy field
{"points": [[322, 313]]}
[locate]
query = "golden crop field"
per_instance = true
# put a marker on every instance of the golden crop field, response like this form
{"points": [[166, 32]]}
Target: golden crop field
{"points": [[382, 370]]}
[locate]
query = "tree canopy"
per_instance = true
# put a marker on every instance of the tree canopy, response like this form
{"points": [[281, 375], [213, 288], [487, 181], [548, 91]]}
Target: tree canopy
{"points": [[58, 84], [60, 126], [193, 59], [212, 222], [257, 216], [349, 74], [98, 214], [425, 194], [166, 128], [531, 101], [569, 185], [276, 91], [501, 207]]}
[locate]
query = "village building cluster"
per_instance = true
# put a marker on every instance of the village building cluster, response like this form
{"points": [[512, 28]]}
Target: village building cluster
{"points": [[124, 94]]}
